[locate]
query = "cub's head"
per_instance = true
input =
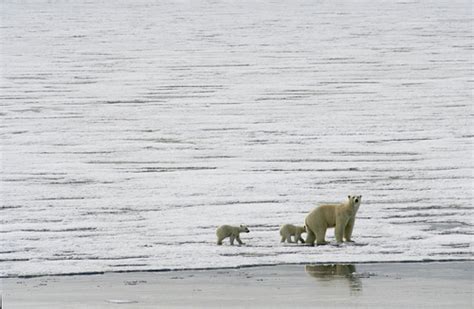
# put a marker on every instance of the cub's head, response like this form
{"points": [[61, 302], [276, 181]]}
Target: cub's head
{"points": [[355, 200], [244, 229]]}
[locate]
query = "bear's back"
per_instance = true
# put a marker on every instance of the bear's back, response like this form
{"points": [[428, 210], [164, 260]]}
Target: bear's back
{"points": [[287, 228], [224, 230], [328, 213]]}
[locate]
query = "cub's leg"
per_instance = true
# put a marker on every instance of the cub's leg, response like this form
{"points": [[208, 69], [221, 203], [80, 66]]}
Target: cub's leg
{"points": [[299, 238], [219, 241], [238, 240], [232, 237], [288, 239], [283, 238]]}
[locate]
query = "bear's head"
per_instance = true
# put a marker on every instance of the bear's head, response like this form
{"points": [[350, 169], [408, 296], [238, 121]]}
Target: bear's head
{"points": [[244, 229], [355, 200]]}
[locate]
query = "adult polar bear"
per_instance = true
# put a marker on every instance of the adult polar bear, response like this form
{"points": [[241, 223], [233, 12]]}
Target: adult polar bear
{"points": [[341, 216]]}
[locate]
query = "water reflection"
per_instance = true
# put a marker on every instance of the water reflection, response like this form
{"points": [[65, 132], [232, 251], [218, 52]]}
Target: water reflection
{"points": [[336, 272]]}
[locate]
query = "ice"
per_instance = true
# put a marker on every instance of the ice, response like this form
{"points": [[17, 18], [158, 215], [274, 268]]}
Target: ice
{"points": [[130, 131]]}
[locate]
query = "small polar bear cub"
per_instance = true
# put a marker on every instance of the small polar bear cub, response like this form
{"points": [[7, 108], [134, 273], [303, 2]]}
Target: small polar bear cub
{"points": [[288, 230], [233, 232]]}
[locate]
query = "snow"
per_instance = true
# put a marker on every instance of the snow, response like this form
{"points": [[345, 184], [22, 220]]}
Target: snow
{"points": [[130, 131]]}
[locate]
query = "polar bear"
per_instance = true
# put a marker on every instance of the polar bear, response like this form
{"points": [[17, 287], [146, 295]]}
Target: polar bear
{"points": [[288, 230], [233, 232], [341, 216]]}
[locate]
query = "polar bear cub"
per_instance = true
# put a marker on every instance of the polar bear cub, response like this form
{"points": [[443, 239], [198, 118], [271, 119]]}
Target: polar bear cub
{"points": [[233, 232], [341, 216], [288, 230]]}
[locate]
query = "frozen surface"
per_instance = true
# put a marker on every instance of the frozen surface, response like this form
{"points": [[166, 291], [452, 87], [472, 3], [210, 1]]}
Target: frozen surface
{"points": [[131, 129]]}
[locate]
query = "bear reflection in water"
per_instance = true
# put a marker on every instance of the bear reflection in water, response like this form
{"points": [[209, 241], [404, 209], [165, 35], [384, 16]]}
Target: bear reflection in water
{"points": [[335, 272]]}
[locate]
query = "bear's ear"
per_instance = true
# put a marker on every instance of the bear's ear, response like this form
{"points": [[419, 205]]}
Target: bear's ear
{"points": [[349, 197]]}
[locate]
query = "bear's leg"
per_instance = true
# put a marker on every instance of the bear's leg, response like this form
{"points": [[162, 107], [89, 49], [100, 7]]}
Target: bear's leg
{"points": [[219, 241], [288, 238], [238, 240], [283, 238], [348, 230], [321, 236], [299, 238], [310, 237], [232, 237], [339, 231]]}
